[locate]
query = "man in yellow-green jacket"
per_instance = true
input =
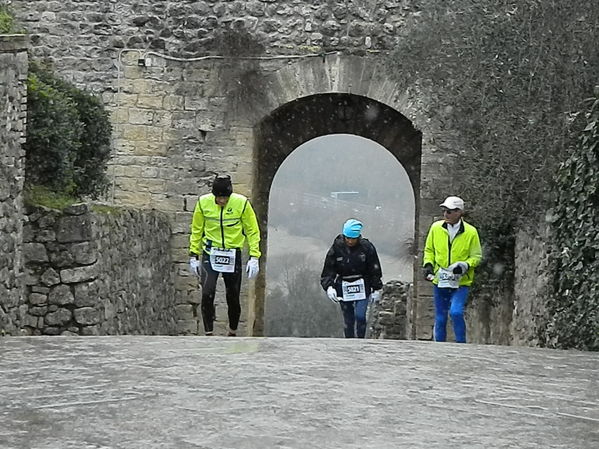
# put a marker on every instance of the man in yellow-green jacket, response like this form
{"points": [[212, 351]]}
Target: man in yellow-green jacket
{"points": [[222, 220], [451, 252]]}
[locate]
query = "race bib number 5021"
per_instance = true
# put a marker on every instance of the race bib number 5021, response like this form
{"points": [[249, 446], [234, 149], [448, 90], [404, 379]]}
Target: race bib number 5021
{"points": [[353, 291]]}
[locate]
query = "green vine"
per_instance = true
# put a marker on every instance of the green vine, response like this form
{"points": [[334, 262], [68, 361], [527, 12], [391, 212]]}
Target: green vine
{"points": [[574, 308], [7, 21], [68, 136], [502, 78]]}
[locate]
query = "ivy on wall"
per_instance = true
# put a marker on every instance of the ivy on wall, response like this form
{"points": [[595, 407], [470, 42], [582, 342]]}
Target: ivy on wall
{"points": [[7, 21], [574, 308], [68, 136], [503, 78]]}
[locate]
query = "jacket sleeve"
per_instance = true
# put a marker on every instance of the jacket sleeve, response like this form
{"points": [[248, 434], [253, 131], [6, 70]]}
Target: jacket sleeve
{"points": [[429, 250], [329, 273], [251, 229], [197, 231], [375, 273], [475, 253]]}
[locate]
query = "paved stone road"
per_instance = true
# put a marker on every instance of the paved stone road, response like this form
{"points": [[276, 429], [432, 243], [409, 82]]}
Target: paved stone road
{"points": [[199, 392]]}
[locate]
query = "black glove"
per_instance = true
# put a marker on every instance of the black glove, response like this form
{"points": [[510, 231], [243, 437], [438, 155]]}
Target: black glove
{"points": [[460, 268], [427, 270]]}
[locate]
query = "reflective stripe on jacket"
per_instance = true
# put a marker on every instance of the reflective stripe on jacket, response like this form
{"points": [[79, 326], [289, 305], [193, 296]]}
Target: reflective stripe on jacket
{"points": [[224, 227], [465, 247]]}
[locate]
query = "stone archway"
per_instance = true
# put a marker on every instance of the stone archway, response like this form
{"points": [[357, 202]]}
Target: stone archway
{"points": [[361, 80], [303, 119]]}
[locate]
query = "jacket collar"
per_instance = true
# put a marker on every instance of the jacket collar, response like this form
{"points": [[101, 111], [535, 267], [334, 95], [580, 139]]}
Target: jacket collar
{"points": [[459, 230]]}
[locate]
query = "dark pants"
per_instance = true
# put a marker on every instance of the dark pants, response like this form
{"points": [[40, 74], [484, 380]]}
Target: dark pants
{"points": [[354, 315], [232, 287]]}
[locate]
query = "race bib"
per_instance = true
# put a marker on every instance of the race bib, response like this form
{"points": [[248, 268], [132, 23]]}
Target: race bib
{"points": [[222, 260], [447, 279], [353, 291]]}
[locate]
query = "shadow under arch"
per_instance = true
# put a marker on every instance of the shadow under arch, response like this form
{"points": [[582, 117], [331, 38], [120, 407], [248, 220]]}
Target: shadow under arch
{"points": [[306, 118]]}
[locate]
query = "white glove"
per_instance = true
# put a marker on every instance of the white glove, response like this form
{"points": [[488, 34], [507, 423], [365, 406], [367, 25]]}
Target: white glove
{"points": [[194, 266], [375, 296], [464, 266], [252, 268], [332, 294]]}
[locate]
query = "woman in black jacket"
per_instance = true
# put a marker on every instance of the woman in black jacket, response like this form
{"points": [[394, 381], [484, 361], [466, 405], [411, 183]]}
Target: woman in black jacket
{"points": [[351, 276]]}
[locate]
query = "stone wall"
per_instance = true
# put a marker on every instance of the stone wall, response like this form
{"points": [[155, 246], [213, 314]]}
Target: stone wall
{"points": [[180, 117], [532, 285], [516, 314], [186, 103], [389, 317], [84, 37], [488, 320], [98, 272], [13, 109]]}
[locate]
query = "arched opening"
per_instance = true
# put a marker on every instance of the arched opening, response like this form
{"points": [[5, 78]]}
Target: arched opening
{"points": [[321, 184], [304, 119]]}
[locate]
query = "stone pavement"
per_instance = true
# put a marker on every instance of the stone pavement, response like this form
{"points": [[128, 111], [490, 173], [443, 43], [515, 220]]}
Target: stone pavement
{"points": [[199, 392]]}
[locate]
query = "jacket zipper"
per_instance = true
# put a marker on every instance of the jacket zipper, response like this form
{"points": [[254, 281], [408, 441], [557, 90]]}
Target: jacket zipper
{"points": [[222, 229], [449, 244]]}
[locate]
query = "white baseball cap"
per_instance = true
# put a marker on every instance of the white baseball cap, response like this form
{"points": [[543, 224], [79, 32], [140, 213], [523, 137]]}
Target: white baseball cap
{"points": [[453, 202]]}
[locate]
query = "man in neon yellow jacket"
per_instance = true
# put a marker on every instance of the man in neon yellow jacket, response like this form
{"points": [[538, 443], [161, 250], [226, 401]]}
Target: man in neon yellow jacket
{"points": [[222, 220], [451, 252]]}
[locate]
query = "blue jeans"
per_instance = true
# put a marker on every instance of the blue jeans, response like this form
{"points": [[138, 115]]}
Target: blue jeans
{"points": [[354, 315], [452, 300]]}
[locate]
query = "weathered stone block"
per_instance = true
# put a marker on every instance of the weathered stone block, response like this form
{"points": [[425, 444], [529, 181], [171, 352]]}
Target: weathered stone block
{"points": [[140, 117], [31, 277], [45, 235], [29, 321], [86, 294], [184, 311], [58, 318], [187, 327], [173, 102], [35, 252], [50, 277], [76, 228], [60, 256], [61, 295], [87, 316], [84, 253], [149, 101], [38, 311], [37, 299], [90, 330], [79, 274]]}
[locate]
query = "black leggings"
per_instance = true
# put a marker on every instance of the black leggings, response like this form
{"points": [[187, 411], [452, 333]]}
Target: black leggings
{"points": [[232, 288]]}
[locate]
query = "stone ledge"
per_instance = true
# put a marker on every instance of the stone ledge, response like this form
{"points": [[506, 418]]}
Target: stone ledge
{"points": [[13, 42]]}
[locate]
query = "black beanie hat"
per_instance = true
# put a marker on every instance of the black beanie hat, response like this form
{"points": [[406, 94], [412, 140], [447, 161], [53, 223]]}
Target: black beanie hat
{"points": [[222, 186]]}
